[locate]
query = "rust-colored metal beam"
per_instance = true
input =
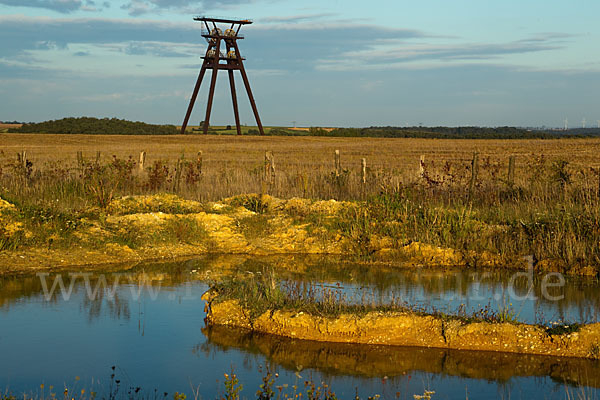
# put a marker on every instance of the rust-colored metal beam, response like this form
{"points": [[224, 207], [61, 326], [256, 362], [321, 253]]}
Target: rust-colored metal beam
{"points": [[233, 62], [247, 85], [193, 98], [234, 101], [224, 21], [224, 67], [213, 82]]}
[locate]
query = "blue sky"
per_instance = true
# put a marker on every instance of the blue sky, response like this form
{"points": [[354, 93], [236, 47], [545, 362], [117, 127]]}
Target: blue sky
{"points": [[319, 63]]}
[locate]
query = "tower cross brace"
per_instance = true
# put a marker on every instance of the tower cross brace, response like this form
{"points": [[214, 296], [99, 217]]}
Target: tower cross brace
{"points": [[233, 61]]}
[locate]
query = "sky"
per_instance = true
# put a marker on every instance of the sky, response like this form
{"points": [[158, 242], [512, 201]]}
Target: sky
{"points": [[346, 63]]}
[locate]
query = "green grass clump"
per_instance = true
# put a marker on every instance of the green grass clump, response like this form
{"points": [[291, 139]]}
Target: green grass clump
{"points": [[563, 329], [255, 226], [184, 230], [252, 202]]}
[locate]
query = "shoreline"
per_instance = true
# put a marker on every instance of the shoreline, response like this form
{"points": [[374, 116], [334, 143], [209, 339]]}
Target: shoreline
{"points": [[393, 328]]}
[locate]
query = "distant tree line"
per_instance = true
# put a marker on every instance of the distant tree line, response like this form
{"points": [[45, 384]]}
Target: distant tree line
{"points": [[114, 126], [96, 126], [578, 132], [441, 132]]}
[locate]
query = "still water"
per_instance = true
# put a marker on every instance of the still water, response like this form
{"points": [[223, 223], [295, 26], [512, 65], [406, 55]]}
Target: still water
{"points": [[148, 322]]}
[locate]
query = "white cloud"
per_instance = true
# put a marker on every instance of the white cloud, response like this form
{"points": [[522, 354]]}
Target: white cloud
{"points": [[61, 6]]}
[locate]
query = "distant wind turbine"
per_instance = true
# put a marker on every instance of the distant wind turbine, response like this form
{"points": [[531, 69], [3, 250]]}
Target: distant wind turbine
{"points": [[583, 123], [566, 123]]}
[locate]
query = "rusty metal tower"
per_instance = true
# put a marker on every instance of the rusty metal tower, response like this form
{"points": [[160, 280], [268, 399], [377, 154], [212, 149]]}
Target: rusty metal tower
{"points": [[232, 61]]}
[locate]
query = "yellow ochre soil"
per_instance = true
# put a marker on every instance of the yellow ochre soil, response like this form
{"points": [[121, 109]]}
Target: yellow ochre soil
{"points": [[141, 216], [408, 329], [226, 227], [165, 226]]}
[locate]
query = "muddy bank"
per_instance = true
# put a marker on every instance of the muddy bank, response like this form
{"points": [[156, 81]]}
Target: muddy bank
{"points": [[376, 361], [409, 329]]}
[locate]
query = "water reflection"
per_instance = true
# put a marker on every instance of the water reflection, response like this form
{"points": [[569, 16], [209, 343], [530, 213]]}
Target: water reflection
{"points": [[108, 292], [115, 305], [534, 297], [377, 361], [147, 319], [530, 296]]}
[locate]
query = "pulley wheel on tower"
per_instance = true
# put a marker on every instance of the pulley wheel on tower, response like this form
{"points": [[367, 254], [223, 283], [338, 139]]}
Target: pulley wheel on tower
{"points": [[216, 32]]}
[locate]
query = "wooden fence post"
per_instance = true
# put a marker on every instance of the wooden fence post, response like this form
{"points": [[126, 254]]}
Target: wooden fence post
{"points": [[80, 159], [142, 161], [266, 166], [177, 178], [269, 167], [199, 162], [22, 158], [337, 163], [364, 170], [98, 157], [511, 171], [272, 169], [474, 172], [304, 185], [422, 167]]}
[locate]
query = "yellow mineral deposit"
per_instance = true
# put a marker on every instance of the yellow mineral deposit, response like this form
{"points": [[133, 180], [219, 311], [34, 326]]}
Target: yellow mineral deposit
{"points": [[409, 329], [280, 227]]}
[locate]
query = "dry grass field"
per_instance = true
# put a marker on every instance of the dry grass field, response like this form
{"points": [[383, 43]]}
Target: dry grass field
{"points": [[304, 165], [401, 155]]}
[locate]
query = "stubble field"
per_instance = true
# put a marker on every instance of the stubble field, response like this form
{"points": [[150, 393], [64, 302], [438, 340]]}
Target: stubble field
{"points": [[399, 155]]}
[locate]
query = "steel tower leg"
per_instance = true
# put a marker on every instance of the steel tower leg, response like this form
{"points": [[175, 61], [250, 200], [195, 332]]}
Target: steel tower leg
{"points": [[247, 84], [234, 101], [193, 98], [213, 82]]}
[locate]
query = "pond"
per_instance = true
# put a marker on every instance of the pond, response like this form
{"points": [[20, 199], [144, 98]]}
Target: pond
{"points": [[69, 329]]}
